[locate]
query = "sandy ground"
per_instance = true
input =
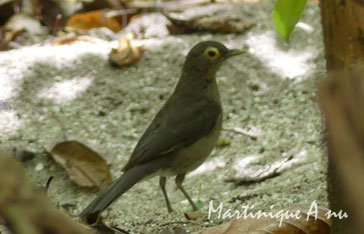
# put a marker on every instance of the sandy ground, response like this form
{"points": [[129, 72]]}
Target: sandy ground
{"points": [[269, 91]]}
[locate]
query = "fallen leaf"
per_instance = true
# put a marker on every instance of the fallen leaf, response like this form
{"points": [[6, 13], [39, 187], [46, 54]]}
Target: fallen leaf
{"points": [[24, 209], [101, 4], [194, 215], [176, 6], [209, 23], [92, 19], [84, 166], [8, 39], [24, 22], [303, 225], [270, 172], [127, 53]]}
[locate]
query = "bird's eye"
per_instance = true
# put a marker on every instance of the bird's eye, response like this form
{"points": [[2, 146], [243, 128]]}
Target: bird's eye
{"points": [[212, 53]]}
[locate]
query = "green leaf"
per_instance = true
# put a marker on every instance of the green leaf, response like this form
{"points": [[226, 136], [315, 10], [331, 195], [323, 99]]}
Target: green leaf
{"points": [[286, 14], [223, 143], [199, 205]]}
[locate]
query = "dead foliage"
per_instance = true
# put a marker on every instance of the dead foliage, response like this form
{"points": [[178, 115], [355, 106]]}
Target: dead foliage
{"points": [[26, 210], [84, 166]]}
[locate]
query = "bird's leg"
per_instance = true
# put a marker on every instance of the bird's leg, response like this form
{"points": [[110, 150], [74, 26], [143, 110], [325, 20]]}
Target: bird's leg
{"points": [[162, 183], [179, 180]]}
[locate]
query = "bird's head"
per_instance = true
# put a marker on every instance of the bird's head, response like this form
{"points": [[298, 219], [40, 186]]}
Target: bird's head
{"points": [[208, 56]]}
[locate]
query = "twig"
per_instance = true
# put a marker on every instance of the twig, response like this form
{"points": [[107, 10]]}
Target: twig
{"points": [[242, 131], [177, 222], [269, 173]]}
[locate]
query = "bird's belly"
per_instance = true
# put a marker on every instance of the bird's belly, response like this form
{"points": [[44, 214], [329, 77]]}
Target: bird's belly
{"points": [[191, 157]]}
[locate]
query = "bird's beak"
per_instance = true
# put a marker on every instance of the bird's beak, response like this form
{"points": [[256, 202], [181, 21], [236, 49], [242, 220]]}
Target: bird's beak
{"points": [[234, 52]]}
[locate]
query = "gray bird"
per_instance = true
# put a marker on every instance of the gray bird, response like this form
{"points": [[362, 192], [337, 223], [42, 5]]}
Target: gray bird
{"points": [[181, 135]]}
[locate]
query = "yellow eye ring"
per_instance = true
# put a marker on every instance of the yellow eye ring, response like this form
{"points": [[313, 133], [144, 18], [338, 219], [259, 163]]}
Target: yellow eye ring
{"points": [[212, 53]]}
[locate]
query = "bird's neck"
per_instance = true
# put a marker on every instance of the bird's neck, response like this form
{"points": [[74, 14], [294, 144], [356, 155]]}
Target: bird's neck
{"points": [[201, 82]]}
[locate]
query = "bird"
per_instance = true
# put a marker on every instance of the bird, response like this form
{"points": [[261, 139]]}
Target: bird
{"points": [[182, 134]]}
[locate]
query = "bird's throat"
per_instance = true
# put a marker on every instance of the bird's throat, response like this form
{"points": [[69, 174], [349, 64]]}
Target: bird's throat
{"points": [[199, 83], [199, 79]]}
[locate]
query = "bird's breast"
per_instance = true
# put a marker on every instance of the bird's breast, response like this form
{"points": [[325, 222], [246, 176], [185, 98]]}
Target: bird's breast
{"points": [[191, 157]]}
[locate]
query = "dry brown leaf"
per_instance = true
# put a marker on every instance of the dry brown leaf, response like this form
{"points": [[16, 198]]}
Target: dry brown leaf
{"points": [[178, 6], [84, 166], [92, 19], [25, 22], [26, 210], [194, 215], [127, 53], [214, 24], [321, 225], [101, 4], [8, 38]]}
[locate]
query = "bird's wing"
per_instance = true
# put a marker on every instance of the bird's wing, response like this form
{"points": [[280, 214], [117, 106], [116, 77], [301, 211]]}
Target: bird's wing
{"points": [[175, 127]]}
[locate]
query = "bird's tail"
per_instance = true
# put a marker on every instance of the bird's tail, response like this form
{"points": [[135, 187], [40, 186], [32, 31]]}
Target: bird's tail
{"points": [[115, 190]]}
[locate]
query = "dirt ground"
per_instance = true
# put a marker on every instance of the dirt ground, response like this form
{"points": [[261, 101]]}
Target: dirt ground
{"points": [[269, 92]]}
